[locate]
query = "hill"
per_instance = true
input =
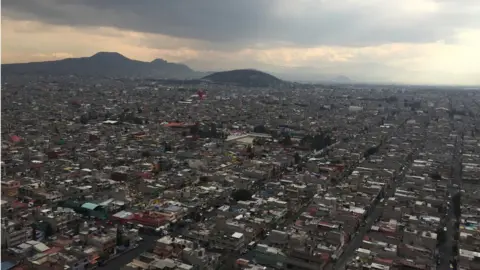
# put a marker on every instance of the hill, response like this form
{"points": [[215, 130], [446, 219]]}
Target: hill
{"points": [[342, 79], [244, 77], [104, 64]]}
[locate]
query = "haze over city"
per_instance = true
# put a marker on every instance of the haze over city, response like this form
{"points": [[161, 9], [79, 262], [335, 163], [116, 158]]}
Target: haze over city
{"points": [[408, 41]]}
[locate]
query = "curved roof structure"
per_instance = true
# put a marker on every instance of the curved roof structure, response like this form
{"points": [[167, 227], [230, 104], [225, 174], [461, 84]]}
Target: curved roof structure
{"points": [[89, 206]]}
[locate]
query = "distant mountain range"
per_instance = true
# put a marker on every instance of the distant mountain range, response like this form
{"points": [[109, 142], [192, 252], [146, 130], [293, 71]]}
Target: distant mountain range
{"points": [[112, 64], [244, 77], [341, 79], [105, 64]]}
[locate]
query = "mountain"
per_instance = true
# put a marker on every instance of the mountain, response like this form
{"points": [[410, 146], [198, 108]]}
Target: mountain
{"points": [[105, 64], [244, 77], [312, 77], [341, 79], [309, 75]]}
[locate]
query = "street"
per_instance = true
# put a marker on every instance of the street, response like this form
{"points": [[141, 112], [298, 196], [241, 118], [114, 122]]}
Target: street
{"points": [[445, 250], [356, 242], [117, 263]]}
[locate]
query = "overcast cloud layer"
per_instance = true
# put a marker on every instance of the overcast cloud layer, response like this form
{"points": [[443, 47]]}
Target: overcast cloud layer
{"points": [[412, 41]]}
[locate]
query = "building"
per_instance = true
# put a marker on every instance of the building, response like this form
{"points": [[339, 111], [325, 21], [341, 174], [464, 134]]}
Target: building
{"points": [[14, 234], [10, 188]]}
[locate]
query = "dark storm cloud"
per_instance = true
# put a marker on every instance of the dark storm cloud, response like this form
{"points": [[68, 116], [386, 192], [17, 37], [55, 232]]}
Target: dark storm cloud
{"points": [[248, 22]]}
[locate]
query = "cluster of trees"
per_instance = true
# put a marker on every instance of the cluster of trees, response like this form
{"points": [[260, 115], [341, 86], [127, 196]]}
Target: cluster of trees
{"points": [[391, 99], [317, 142], [370, 151], [250, 152], [129, 117], [297, 158], [286, 140], [195, 129], [126, 116], [204, 179], [45, 227], [259, 141], [166, 147], [242, 195], [90, 115], [209, 131], [414, 104], [435, 176], [122, 241], [260, 129], [161, 165]]}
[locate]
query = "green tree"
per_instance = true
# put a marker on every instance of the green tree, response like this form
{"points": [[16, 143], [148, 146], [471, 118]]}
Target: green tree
{"points": [[242, 195], [77, 228], [119, 237], [287, 140], [34, 232], [260, 129], [48, 230], [297, 158]]}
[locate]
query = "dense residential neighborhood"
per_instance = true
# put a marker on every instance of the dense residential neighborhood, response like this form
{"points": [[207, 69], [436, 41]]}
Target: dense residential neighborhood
{"points": [[153, 174]]}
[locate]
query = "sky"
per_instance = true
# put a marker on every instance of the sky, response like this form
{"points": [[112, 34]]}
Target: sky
{"points": [[390, 41]]}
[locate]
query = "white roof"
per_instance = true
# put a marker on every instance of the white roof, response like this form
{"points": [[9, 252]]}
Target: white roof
{"points": [[357, 210], [110, 122], [41, 247], [123, 214], [379, 266], [363, 250], [237, 235], [469, 254]]}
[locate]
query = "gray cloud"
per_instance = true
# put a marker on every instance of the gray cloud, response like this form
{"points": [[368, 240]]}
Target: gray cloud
{"points": [[241, 23]]}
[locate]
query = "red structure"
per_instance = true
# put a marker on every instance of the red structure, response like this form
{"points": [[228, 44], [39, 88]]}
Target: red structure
{"points": [[151, 219], [140, 133], [201, 94], [145, 175], [15, 139], [178, 125]]}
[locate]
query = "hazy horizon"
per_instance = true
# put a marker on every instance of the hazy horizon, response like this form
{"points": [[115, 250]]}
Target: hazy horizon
{"points": [[410, 41]]}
